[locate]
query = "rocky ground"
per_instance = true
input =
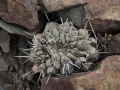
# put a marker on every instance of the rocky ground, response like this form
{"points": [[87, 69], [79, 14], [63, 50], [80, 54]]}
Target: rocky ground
{"points": [[20, 16]]}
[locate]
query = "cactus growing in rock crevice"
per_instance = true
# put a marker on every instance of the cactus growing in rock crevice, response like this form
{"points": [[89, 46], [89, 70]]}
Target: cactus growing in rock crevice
{"points": [[62, 49]]}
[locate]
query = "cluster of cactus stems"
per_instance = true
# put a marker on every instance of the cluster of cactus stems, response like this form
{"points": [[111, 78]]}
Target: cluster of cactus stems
{"points": [[62, 50]]}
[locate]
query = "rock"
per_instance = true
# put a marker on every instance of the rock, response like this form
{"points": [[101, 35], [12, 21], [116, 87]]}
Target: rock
{"points": [[105, 14], [3, 6], [55, 5], [104, 77], [3, 64], [103, 26], [74, 14], [5, 83], [53, 84], [28, 69], [4, 41], [14, 29], [34, 85], [38, 8], [102, 9], [114, 44], [21, 12]]}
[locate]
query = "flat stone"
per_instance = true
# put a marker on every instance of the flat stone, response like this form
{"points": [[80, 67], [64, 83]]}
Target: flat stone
{"points": [[104, 77], [14, 29]]}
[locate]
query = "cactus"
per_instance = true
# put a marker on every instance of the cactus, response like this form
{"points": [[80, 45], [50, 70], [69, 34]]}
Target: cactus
{"points": [[62, 49]]}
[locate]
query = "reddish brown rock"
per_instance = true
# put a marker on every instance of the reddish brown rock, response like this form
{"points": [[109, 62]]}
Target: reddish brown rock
{"points": [[113, 44], [21, 12], [103, 9], [55, 5], [104, 77]]}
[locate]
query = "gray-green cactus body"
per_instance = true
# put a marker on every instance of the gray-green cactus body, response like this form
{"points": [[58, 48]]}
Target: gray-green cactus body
{"points": [[63, 49]]}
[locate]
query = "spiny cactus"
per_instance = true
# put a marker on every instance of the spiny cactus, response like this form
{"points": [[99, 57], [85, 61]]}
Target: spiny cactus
{"points": [[62, 49]]}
